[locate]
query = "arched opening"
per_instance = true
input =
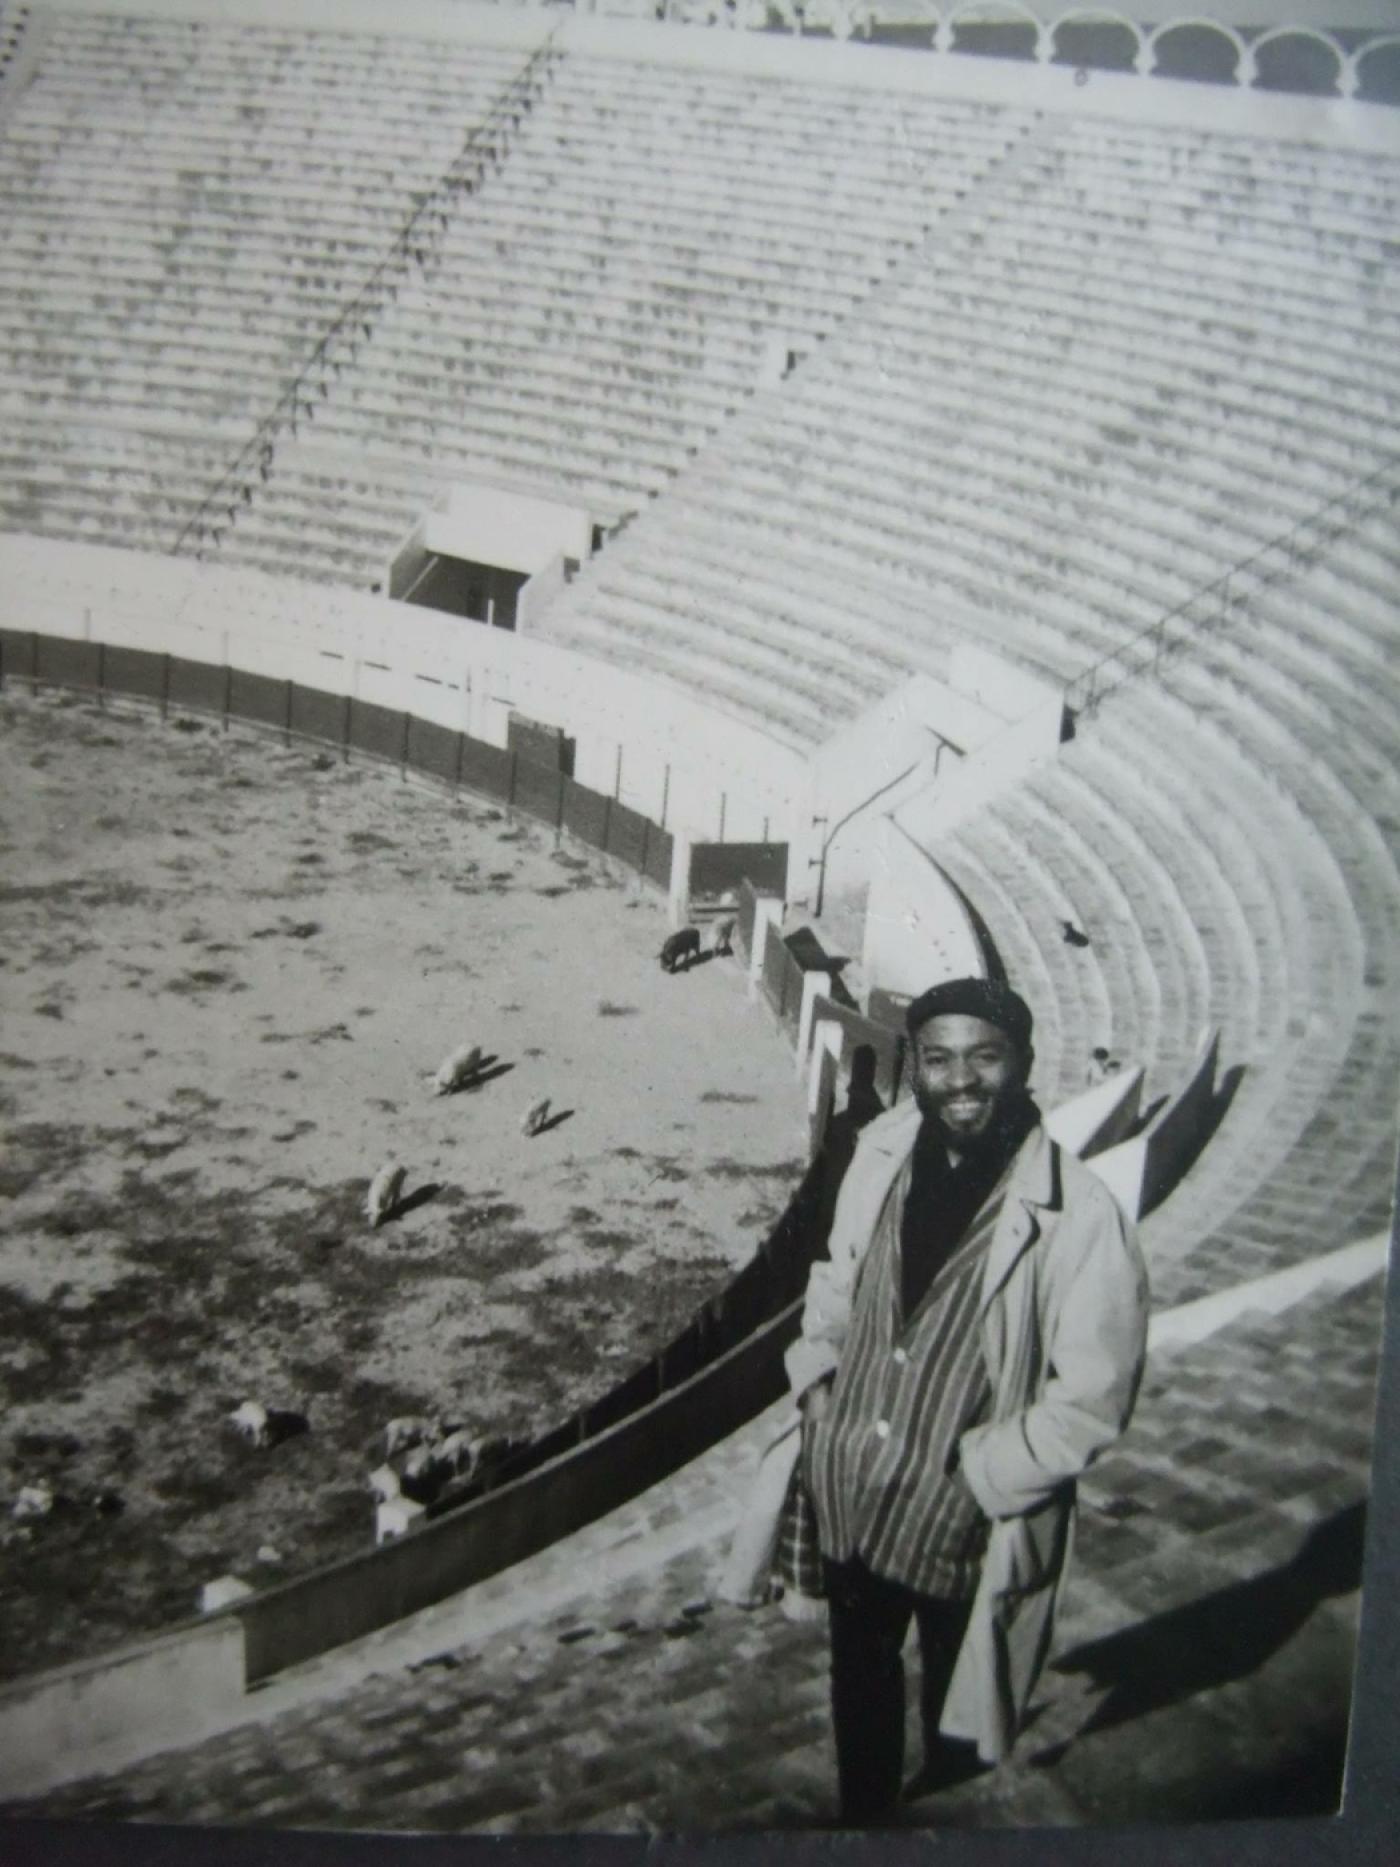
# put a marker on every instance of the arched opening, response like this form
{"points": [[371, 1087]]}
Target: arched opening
{"points": [[1196, 50], [1294, 60]]}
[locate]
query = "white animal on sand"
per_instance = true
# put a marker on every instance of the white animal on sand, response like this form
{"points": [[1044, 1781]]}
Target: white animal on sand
{"points": [[250, 1419], [535, 1116], [384, 1484], [457, 1069], [384, 1192]]}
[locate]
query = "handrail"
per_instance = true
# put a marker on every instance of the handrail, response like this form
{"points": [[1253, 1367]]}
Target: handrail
{"points": [[1088, 689], [413, 241], [819, 861]]}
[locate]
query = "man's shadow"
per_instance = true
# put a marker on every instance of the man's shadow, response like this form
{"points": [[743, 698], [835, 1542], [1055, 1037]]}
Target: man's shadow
{"points": [[1219, 1638]]}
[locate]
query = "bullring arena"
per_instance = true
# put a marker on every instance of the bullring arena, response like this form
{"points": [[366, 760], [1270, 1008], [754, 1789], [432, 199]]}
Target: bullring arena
{"points": [[908, 494]]}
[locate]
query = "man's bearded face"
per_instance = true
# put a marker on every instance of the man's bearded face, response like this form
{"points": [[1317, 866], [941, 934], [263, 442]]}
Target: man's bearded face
{"points": [[966, 1072]]}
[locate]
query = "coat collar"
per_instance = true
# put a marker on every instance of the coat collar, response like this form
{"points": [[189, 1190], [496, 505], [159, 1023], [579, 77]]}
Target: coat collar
{"points": [[1034, 1188], [1035, 1172]]}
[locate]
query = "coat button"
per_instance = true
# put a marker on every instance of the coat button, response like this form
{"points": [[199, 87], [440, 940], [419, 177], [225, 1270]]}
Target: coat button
{"points": [[900, 1357], [882, 1429]]}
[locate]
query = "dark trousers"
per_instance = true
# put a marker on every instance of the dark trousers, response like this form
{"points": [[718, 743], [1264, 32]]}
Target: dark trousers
{"points": [[869, 1621]]}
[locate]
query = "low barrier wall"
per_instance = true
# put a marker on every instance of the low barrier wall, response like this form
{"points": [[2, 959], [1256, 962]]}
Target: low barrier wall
{"points": [[331, 1606], [164, 1687], [725, 1367], [871, 1054], [450, 758], [657, 751]]}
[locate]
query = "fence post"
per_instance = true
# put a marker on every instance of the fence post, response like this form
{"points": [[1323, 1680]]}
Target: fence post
{"points": [[102, 676], [607, 826], [345, 731], [165, 686], [678, 895], [642, 859], [228, 691], [457, 767], [559, 806]]}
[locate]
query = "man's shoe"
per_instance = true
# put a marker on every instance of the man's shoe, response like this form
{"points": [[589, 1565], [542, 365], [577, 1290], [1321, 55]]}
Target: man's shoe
{"points": [[955, 1762]]}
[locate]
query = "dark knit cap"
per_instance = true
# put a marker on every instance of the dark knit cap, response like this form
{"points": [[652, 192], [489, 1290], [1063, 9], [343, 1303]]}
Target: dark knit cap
{"points": [[989, 999]]}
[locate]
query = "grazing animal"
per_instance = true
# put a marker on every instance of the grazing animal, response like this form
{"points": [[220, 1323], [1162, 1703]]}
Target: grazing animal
{"points": [[251, 1420], [683, 945], [458, 1452], [535, 1117], [724, 934], [428, 1468], [384, 1193], [405, 1432], [33, 1501], [456, 1071], [419, 1464], [1073, 937]]}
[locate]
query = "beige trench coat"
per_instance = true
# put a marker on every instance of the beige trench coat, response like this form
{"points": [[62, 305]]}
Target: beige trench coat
{"points": [[1064, 1328]]}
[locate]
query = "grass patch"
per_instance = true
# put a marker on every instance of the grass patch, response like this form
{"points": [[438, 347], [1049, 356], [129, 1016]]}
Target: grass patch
{"points": [[792, 1170], [205, 979]]}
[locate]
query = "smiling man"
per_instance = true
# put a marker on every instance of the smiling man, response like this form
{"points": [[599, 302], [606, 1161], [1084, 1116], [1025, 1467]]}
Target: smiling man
{"points": [[974, 1342]]}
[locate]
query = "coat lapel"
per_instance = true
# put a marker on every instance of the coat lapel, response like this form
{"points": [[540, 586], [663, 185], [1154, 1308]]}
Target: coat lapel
{"points": [[1034, 1188], [883, 1155]]}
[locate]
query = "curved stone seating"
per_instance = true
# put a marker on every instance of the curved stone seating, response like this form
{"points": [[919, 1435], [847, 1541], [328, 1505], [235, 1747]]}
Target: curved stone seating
{"points": [[979, 359], [648, 224], [178, 233], [1243, 799]]}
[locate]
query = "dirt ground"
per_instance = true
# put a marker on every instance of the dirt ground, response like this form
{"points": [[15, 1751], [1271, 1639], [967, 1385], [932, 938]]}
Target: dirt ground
{"points": [[227, 971]]}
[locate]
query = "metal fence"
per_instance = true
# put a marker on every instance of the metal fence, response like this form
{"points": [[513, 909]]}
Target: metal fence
{"points": [[437, 753]]}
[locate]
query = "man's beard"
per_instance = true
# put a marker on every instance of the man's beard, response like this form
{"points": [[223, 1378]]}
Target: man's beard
{"points": [[1013, 1113]]}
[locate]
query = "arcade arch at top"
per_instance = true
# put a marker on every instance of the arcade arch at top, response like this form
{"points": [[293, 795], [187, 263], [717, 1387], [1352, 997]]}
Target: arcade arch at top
{"points": [[1336, 58], [1349, 50]]}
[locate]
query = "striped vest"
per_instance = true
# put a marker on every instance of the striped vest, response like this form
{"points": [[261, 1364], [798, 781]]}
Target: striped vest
{"points": [[904, 1394]]}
